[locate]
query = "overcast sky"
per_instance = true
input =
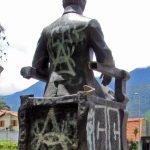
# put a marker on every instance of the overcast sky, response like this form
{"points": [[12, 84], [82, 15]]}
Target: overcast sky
{"points": [[125, 24]]}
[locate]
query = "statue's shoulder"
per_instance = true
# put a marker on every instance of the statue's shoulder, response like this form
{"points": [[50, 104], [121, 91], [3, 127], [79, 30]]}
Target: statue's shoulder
{"points": [[79, 18], [82, 18], [71, 19], [89, 21], [94, 23]]}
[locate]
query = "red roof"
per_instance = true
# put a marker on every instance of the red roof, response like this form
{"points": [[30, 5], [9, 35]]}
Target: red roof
{"points": [[6, 112], [135, 119]]}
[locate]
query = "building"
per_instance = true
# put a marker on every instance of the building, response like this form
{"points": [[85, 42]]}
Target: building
{"points": [[9, 120], [139, 124]]}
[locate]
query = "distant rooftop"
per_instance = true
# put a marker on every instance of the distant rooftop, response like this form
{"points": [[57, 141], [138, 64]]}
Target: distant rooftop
{"points": [[6, 112], [135, 119]]}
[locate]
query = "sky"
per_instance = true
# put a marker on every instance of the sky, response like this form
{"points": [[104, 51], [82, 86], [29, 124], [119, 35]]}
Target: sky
{"points": [[125, 24]]}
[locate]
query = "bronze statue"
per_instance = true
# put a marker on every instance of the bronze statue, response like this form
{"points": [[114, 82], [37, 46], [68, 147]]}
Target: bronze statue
{"points": [[72, 115], [65, 48]]}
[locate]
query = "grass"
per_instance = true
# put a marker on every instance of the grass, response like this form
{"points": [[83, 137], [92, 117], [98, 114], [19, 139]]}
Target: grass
{"points": [[8, 145]]}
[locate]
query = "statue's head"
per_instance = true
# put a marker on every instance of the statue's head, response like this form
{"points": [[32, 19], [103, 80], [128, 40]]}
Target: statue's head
{"points": [[81, 3]]}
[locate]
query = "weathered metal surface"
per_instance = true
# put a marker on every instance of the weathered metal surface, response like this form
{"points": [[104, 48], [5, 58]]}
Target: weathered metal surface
{"points": [[121, 76], [65, 48], [30, 72], [62, 120], [110, 71], [105, 125], [46, 133], [71, 123], [48, 123]]}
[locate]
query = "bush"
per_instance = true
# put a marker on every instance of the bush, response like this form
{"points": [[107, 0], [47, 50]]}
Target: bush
{"points": [[8, 145], [134, 145]]}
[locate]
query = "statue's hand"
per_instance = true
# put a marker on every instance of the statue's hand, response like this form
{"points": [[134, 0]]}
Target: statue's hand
{"points": [[106, 79], [27, 72]]}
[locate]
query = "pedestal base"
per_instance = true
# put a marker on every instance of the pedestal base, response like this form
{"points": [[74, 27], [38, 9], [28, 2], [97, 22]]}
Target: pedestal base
{"points": [[71, 123]]}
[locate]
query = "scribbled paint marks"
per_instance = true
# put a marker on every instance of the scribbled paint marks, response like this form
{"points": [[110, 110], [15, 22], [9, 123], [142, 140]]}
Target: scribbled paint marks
{"points": [[90, 129], [53, 132], [63, 44], [103, 128]]}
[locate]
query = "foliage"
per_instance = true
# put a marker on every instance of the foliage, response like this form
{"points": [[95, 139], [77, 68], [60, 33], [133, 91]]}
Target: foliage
{"points": [[3, 105], [8, 145], [3, 44], [134, 146], [135, 132]]}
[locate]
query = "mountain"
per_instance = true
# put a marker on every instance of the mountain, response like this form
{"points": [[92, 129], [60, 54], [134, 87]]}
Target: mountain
{"points": [[13, 100], [138, 91]]}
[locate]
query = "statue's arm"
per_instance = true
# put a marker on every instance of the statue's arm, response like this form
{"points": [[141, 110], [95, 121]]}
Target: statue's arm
{"points": [[41, 58], [102, 52], [97, 43], [40, 63], [105, 63]]}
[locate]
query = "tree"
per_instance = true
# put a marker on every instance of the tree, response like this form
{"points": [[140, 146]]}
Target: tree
{"points": [[133, 146], [3, 105], [1, 28], [3, 45], [135, 132]]}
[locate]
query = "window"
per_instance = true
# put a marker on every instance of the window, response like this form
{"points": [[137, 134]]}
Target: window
{"points": [[2, 123], [14, 122]]}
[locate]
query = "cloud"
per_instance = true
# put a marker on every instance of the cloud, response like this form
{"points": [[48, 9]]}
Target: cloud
{"points": [[23, 21], [126, 31], [10, 79]]}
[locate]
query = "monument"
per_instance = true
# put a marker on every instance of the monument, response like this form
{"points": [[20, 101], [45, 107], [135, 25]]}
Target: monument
{"points": [[76, 112]]}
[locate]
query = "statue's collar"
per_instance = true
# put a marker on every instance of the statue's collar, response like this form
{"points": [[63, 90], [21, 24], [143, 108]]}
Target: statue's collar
{"points": [[73, 9]]}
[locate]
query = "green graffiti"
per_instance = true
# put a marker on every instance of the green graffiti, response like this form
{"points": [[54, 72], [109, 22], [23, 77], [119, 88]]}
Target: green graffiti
{"points": [[58, 136], [65, 45]]}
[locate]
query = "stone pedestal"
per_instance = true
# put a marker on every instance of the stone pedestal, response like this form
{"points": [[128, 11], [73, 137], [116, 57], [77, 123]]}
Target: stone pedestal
{"points": [[72, 123]]}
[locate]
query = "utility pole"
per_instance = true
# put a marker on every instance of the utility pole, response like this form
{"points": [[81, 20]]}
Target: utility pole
{"points": [[139, 108]]}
